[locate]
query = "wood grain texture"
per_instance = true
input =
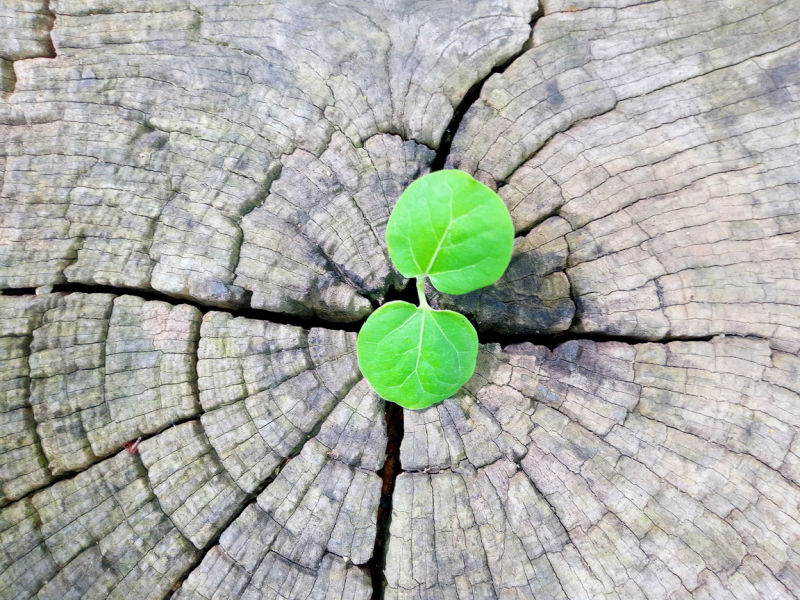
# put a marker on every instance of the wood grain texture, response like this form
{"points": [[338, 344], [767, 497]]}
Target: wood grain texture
{"points": [[676, 175], [22, 463], [193, 112], [110, 530], [104, 370], [288, 391], [309, 531], [225, 171], [25, 26], [596, 470], [99, 535]]}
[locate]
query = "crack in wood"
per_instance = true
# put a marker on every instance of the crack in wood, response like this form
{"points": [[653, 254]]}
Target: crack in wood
{"points": [[71, 474], [214, 541], [407, 294], [388, 474], [44, 41], [474, 94], [553, 340], [153, 295]]}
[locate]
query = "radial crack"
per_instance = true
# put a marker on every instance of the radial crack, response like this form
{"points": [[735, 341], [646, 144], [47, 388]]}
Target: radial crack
{"points": [[472, 96], [388, 473]]}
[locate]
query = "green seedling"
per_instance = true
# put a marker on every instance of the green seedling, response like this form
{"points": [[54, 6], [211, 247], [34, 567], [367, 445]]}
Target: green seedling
{"points": [[457, 232]]}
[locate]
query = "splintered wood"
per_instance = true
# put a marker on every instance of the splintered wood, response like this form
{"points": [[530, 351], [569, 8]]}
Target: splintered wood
{"points": [[198, 428]]}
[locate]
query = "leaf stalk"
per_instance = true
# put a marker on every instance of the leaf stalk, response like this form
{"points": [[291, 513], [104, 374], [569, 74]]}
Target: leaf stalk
{"points": [[423, 301]]}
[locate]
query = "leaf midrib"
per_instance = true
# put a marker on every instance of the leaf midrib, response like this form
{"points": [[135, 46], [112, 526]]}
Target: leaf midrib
{"points": [[443, 236]]}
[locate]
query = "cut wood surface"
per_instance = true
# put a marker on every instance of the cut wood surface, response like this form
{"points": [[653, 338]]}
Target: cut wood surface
{"points": [[192, 215]]}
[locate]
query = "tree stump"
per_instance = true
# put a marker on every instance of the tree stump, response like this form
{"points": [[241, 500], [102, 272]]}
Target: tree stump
{"points": [[192, 217]]}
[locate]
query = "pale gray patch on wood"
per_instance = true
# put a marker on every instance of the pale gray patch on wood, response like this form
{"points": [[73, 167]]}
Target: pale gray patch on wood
{"points": [[312, 529], [277, 579], [26, 28], [459, 434], [697, 234], [312, 506], [99, 535], [105, 370], [377, 67], [22, 463], [665, 471], [591, 383], [25, 562], [333, 352], [281, 384], [190, 482]]}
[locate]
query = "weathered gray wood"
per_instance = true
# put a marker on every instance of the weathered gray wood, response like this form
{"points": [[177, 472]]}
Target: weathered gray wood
{"points": [[249, 153], [25, 27], [587, 57], [150, 373], [677, 173], [686, 224], [98, 535], [285, 382], [332, 212], [108, 531], [169, 130], [67, 377], [22, 463], [646, 471], [190, 482], [314, 525], [276, 577], [105, 370]]}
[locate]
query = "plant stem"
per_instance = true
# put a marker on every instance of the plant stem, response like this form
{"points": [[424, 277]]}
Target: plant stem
{"points": [[423, 301]]}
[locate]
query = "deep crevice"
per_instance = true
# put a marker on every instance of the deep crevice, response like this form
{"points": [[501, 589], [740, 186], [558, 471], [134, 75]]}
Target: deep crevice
{"points": [[408, 294], [553, 340], [18, 292], [51, 16], [472, 96], [388, 474], [306, 322]]}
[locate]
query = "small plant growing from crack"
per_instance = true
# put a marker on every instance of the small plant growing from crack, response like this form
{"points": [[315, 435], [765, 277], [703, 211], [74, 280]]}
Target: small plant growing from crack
{"points": [[455, 231]]}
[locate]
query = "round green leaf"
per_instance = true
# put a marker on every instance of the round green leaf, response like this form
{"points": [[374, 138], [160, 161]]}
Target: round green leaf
{"points": [[453, 229], [416, 356]]}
